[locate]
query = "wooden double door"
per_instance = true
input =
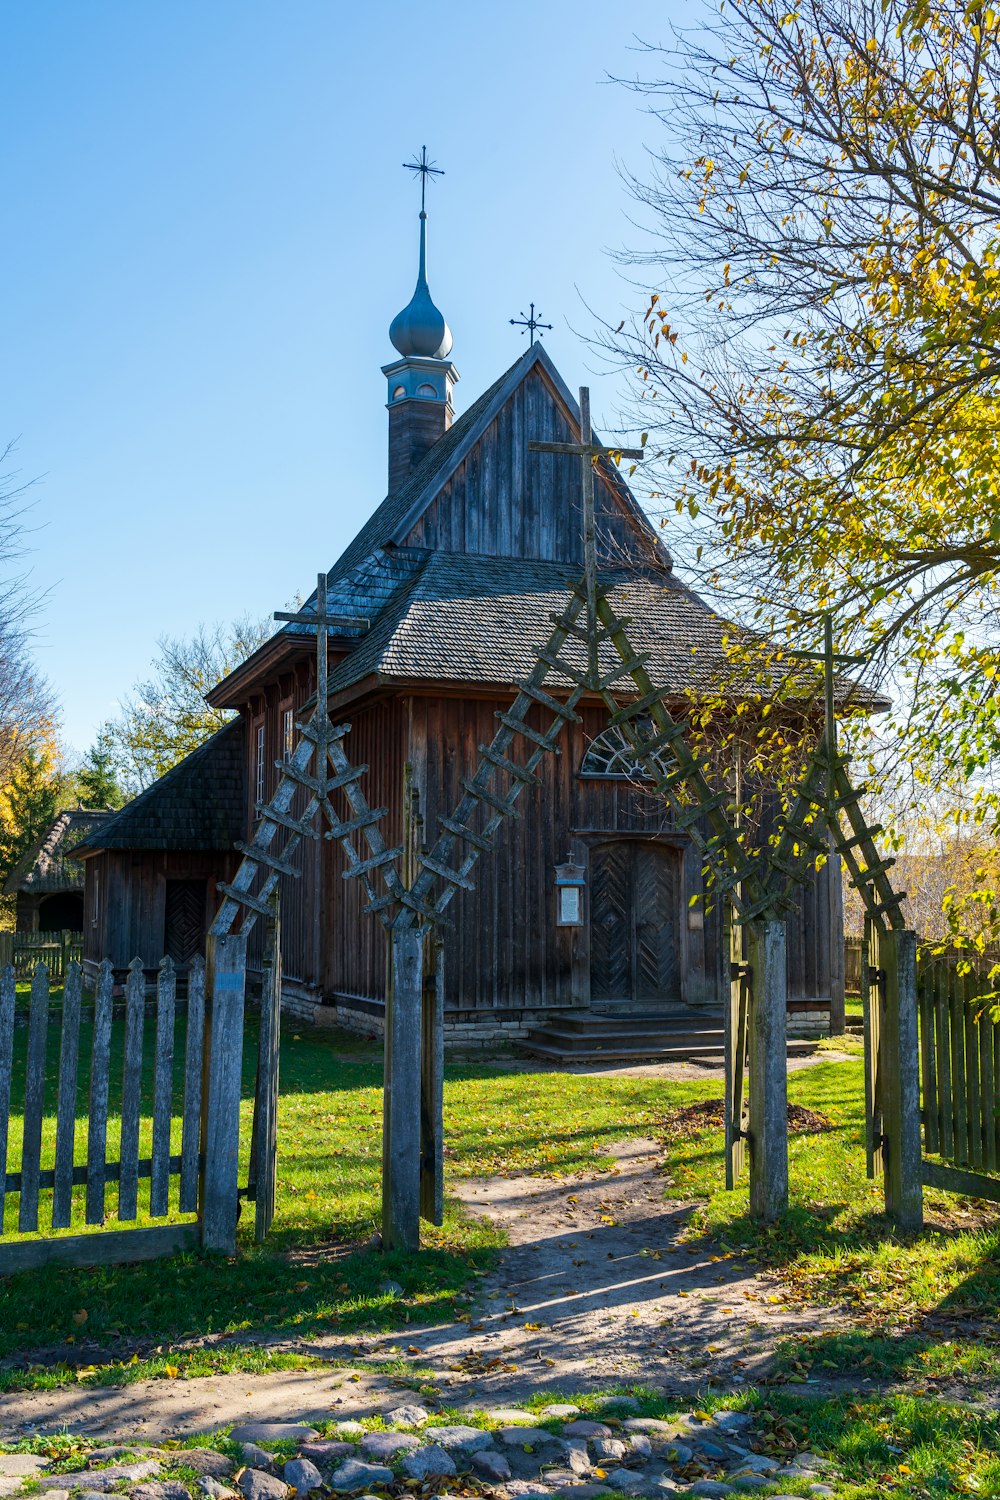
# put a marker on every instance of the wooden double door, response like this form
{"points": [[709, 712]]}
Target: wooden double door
{"points": [[635, 897]]}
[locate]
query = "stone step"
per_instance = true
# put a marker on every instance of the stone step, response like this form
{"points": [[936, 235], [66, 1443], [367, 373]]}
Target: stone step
{"points": [[581, 1041], [632, 1024], [656, 1045]]}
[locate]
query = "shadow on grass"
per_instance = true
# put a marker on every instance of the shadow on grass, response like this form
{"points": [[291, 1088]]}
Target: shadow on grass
{"points": [[132, 1309]]}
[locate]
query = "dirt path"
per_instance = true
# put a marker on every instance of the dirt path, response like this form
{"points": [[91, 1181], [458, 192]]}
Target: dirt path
{"points": [[598, 1285]]}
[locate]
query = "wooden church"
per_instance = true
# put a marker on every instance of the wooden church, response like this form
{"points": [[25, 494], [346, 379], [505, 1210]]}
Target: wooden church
{"points": [[452, 581]]}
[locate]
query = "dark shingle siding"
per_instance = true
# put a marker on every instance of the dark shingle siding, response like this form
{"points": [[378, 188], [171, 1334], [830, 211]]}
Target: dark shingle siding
{"points": [[199, 804]]}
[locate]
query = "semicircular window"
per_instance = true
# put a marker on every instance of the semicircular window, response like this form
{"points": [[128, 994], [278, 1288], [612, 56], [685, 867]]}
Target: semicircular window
{"points": [[611, 755]]}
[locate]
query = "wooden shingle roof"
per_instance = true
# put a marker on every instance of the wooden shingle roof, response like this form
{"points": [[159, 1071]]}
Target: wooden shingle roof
{"points": [[465, 618], [44, 868], [199, 804]]}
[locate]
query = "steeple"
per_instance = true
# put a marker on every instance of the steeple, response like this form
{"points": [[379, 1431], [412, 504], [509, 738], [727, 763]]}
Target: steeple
{"points": [[420, 383]]}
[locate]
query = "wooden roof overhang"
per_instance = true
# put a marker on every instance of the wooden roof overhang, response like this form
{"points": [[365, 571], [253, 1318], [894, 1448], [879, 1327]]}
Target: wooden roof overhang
{"points": [[378, 686], [278, 654]]}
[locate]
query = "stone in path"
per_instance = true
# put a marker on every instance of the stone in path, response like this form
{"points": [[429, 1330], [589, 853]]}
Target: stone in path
{"points": [[102, 1480], [465, 1439], [255, 1484], [407, 1416], [353, 1476], [302, 1475], [203, 1461], [384, 1446], [432, 1462], [491, 1465], [160, 1489], [257, 1458]]}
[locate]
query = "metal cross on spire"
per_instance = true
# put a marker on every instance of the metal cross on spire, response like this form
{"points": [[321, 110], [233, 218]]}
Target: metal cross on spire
{"points": [[588, 453], [530, 323], [422, 168]]}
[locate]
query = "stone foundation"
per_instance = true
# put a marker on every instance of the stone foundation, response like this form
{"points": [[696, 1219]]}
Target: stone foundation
{"points": [[808, 1019], [471, 1031]]}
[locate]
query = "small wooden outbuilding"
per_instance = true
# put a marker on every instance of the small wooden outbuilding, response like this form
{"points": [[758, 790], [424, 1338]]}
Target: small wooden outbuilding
{"points": [[48, 884], [151, 868]]}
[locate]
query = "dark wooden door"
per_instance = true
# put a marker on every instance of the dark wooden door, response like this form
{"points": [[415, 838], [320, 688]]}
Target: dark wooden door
{"points": [[184, 919], [634, 924]]}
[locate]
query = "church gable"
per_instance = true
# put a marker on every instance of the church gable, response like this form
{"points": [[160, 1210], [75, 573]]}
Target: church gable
{"points": [[503, 500]]}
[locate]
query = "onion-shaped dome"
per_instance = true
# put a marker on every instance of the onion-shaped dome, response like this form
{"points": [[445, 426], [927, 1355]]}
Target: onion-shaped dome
{"points": [[420, 329]]}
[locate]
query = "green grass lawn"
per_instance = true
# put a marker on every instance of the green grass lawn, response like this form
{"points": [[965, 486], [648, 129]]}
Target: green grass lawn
{"points": [[317, 1274]]}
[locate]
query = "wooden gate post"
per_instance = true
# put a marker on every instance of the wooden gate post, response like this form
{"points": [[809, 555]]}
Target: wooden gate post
{"points": [[768, 1067], [432, 1085], [225, 985], [736, 1120], [401, 1091], [899, 1080]]}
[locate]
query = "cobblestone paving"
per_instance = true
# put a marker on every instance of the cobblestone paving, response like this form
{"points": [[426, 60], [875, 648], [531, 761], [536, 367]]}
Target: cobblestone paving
{"points": [[506, 1453]]}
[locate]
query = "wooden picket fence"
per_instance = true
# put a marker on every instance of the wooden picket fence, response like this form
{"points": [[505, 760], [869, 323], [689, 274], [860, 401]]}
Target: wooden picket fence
{"points": [[205, 1167], [56, 950], [960, 1079]]}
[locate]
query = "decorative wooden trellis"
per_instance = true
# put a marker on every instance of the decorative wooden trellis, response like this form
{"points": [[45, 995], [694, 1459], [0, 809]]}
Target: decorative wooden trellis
{"points": [[410, 888]]}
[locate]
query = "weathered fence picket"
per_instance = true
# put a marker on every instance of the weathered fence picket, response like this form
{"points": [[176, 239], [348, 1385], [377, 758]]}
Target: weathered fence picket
{"points": [[163, 1083], [207, 1173], [69, 1065], [8, 995], [194, 1052], [34, 1100], [960, 1072], [100, 1075], [135, 1015]]}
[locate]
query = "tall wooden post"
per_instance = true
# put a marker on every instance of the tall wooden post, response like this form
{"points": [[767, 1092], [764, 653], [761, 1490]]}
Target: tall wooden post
{"points": [[225, 988], [265, 1113], [768, 1071], [432, 1084], [736, 1120], [838, 1005], [899, 1078], [401, 1091]]}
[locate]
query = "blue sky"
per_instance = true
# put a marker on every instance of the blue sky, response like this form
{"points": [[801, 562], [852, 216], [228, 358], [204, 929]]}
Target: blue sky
{"points": [[207, 232]]}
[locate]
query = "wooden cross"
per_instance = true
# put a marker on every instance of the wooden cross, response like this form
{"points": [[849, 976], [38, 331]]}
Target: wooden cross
{"points": [[831, 660], [588, 453], [322, 621], [530, 323]]}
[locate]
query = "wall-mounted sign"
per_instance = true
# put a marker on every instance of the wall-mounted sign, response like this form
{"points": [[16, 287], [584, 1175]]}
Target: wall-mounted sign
{"points": [[570, 881]]}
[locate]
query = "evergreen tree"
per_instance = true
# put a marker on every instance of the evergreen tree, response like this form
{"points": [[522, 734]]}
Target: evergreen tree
{"points": [[97, 779]]}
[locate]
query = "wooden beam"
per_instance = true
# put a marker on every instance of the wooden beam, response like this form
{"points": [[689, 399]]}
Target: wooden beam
{"points": [[899, 1079], [225, 985], [401, 1091], [114, 1247], [768, 1091]]}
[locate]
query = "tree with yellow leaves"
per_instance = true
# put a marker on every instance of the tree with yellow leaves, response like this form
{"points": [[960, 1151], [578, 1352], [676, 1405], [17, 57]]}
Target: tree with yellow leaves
{"points": [[820, 364]]}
